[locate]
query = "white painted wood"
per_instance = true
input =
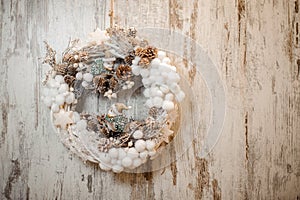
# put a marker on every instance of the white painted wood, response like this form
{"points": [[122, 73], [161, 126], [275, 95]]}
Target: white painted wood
{"points": [[254, 44]]}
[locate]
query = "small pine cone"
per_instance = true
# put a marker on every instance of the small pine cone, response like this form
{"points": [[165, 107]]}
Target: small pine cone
{"points": [[69, 79], [113, 83], [123, 71], [144, 62], [100, 84], [60, 69], [128, 59], [139, 52], [71, 70], [150, 52]]}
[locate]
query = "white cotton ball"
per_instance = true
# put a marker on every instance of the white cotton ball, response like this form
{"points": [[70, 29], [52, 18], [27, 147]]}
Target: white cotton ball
{"points": [[155, 62], [173, 77], [136, 60], [114, 95], [137, 162], [175, 88], [161, 55], [167, 68], [164, 89], [126, 162], [144, 154], [146, 81], [146, 92], [152, 153], [84, 84], [160, 80], [150, 145], [113, 153], [60, 99], [117, 168], [165, 75], [122, 154], [81, 125], [65, 94], [140, 145], [173, 68], [104, 158], [145, 73], [125, 87], [113, 161], [132, 153], [153, 91], [149, 103], [88, 77], [54, 108], [159, 93], [157, 102], [166, 60], [70, 98], [56, 85], [79, 76], [131, 84], [105, 167], [52, 83], [154, 72], [53, 92], [138, 134], [47, 101], [180, 96], [59, 79], [63, 88], [169, 97], [119, 162], [76, 117], [136, 70], [168, 105]]}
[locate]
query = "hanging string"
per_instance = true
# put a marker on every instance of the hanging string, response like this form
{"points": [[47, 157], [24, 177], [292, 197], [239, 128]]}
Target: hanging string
{"points": [[111, 14]]}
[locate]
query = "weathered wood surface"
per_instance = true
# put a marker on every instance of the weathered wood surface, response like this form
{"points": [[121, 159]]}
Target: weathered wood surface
{"points": [[254, 44]]}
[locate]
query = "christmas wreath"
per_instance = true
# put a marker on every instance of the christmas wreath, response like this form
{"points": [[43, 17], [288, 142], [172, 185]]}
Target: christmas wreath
{"points": [[108, 64]]}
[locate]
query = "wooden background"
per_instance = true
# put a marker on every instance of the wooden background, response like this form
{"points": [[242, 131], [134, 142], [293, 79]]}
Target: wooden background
{"points": [[254, 44]]}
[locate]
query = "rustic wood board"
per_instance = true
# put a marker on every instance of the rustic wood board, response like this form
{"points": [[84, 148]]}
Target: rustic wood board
{"points": [[255, 46]]}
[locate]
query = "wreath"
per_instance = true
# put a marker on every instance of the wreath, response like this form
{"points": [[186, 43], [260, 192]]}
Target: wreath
{"points": [[108, 64]]}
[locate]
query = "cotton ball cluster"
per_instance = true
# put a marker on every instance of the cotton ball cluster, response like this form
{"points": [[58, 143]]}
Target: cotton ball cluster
{"points": [[56, 93], [119, 159], [86, 78], [160, 80], [128, 85]]}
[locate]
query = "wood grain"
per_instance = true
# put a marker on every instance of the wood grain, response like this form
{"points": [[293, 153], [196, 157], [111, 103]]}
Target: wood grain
{"points": [[254, 44]]}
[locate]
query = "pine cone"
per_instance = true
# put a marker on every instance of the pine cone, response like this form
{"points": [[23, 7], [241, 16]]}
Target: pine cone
{"points": [[147, 54], [128, 59], [60, 69], [123, 71], [144, 61], [69, 79]]}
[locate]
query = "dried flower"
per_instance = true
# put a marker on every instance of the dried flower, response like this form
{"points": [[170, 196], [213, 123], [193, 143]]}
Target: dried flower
{"points": [[76, 57], [50, 56]]}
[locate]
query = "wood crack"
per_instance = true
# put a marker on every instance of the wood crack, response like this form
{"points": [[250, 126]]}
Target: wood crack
{"points": [[12, 178], [246, 136]]}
